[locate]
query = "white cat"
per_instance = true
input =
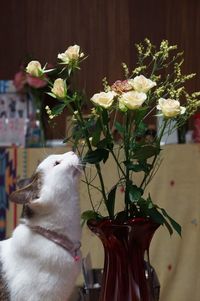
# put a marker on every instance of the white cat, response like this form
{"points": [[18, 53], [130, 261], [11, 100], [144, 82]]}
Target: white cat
{"points": [[41, 261]]}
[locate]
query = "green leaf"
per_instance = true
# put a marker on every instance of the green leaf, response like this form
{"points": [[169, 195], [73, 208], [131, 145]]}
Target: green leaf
{"points": [[69, 71], [58, 109], [159, 218], [96, 156], [140, 166], [52, 95], [78, 133], [97, 134], [103, 143], [89, 214], [145, 151], [96, 137], [151, 210], [110, 203], [156, 216], [49, 70], [135, 193], [106, 156], [121, 216], [91, 124], [150, 204], [139, 115], [105, 117], [142, 203], [174, 224], [140, 129], [119, 127], [168, 227]]}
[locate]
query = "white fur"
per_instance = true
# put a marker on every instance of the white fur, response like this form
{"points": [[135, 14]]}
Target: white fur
{"points": [[37, 269]]}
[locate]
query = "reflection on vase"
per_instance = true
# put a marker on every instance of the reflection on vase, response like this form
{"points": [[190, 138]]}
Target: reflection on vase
{"points": [[126, 277]]}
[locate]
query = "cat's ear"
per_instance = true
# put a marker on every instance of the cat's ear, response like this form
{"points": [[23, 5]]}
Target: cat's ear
{"points": [[29, 193], [23, 182]]}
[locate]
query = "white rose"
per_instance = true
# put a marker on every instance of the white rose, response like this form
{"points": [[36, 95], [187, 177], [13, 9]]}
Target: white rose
{"points": [[104, 99], [170, 107], [34, 68], [132, 99], [59, 88], [71, 54], [141, 83]]}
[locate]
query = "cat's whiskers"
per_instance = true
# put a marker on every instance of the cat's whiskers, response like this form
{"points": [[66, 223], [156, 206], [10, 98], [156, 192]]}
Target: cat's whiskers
{"points": [[88, 165]]}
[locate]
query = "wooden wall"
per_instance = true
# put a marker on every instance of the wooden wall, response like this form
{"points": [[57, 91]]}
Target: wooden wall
{"points": [[106, 30]]}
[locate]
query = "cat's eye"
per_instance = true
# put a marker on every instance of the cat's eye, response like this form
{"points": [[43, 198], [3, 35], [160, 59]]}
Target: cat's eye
{"points": [[56, 163]]}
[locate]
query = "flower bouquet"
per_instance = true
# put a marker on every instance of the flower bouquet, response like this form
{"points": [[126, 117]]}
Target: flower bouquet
{"points": [[155, 87]]}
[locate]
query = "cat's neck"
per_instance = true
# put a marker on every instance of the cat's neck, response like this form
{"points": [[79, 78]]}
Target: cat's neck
{"points": [[66, 219]]}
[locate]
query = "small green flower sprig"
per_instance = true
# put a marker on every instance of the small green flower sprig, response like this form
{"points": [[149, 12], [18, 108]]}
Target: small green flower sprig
{"points": [[167, 61]]}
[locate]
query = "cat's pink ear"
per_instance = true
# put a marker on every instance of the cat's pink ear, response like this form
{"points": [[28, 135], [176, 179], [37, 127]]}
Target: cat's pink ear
{"points": [[28, 193]]}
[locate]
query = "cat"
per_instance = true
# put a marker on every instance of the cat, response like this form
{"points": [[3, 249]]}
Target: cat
{"points": [[42, 259]]}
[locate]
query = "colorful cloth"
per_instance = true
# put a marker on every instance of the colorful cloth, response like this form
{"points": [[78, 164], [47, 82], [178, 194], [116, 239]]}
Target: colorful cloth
{"points": [[7, 184]]}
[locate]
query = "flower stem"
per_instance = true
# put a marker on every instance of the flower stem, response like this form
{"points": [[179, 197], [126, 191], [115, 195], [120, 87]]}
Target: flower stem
{"points": [[97, 165], [127, 175], [118, 164], [149, 173]]}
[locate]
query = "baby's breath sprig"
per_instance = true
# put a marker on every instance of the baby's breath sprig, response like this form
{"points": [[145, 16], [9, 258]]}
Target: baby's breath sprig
{"points": [[193, 103], [105, 84], [49, 112], [138, 70], [149, 48], [126, 70]]}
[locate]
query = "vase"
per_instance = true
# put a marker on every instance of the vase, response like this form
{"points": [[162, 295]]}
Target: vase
{"points": [[126, 275], [35, 133]]}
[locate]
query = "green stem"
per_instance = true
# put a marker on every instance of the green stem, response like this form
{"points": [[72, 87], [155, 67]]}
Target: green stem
{"points": [[154, 68], [108, 134], [93, 186], [149, 173], [98, 168], [97, 165], [118, 164], [88, 189], [127, 175]]}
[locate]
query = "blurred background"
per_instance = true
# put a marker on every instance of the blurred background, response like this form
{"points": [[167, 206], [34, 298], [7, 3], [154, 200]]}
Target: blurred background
{"points": [[106, 30]]}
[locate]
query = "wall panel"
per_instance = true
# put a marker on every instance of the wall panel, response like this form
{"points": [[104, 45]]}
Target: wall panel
{"points": [[106, 31]]}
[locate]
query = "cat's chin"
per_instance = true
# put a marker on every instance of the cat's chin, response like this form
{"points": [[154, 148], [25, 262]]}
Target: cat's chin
{"points": [[77, 172]]}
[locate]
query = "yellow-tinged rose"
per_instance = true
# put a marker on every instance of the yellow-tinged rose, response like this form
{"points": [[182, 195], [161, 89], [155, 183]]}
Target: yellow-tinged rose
{"points": [[34, 69], [170, 107], [71, 54], [104, 99], [59, 88], [132, 99], [141, 83]]}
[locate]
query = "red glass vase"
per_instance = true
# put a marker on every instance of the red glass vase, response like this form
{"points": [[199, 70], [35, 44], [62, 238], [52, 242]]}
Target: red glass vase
{"points": [[124, 245]]}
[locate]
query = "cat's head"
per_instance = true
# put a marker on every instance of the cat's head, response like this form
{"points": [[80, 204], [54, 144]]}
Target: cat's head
{"points": [[53, 186]]}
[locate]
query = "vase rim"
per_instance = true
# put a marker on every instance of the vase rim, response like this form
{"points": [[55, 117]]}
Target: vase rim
{"points": [[130, 222]]}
